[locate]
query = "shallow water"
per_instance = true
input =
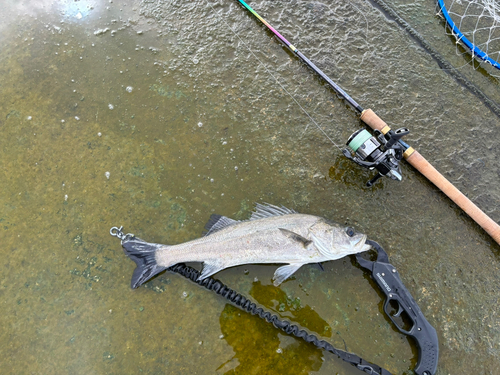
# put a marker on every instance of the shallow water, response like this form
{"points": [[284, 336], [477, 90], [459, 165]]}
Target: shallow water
{"points": [[155, 114]]}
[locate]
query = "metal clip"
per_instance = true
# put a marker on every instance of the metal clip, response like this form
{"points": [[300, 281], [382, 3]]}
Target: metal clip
{"points": [[118, 232]]}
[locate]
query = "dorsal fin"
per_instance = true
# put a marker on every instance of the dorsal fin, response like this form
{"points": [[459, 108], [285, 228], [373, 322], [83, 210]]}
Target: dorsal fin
{"points": [[217, 222], [268, 210]]}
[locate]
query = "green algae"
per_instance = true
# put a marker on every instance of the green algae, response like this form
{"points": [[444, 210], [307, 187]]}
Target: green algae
{"points": [[289, 307], [260, 348]]}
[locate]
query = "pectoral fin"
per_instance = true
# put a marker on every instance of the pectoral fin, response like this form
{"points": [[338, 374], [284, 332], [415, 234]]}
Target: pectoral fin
{"points": [[296, 237], [285, 272]]}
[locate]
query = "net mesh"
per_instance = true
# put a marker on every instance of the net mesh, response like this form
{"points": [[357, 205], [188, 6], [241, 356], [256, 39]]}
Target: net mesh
{"points": [[476, 25]]}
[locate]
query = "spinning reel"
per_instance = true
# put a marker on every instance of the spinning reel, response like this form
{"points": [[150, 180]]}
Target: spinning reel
{"points": [[382, 152]]}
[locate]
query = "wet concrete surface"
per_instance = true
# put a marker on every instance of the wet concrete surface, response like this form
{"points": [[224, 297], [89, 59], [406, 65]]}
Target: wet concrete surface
{"points": [[155, 114]]}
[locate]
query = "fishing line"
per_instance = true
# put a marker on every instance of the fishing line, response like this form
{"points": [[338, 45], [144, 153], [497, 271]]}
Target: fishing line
{"points": [[276, 79], [385, 153], [442, 62]]}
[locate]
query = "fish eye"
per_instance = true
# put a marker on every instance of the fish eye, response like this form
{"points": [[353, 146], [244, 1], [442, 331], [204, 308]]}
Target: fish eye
{"points": [[350, 231]]}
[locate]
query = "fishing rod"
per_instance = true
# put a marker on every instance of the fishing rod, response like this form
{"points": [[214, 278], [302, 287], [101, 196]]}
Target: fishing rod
{"points": [[384, 151]]}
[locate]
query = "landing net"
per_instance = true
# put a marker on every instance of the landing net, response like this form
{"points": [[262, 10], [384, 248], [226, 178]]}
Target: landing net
{"points": [[476, 25]]}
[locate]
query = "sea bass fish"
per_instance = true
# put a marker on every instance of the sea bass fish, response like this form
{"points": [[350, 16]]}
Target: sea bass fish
{"points": [[272, 235]]}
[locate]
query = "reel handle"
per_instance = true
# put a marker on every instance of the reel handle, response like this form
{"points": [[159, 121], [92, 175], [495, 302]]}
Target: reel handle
{"points": [[373, 180], [424, 167]]}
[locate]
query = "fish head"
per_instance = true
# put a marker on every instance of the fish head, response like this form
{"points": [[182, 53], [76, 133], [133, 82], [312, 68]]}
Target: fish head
{"points": [[335, 241]]}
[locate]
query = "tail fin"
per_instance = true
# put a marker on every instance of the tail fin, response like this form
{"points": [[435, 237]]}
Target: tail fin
{"points": [[143, 254]]}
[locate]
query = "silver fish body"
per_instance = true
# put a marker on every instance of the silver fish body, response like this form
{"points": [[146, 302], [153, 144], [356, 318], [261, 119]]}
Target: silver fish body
{"points": [[272, 235]]}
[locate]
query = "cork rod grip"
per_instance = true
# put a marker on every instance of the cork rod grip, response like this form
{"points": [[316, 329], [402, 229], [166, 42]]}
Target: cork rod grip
{"points": [[371, 119], [424, 167]]}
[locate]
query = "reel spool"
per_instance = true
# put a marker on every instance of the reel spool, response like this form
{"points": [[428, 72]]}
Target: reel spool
{"points": [[382, 152]]}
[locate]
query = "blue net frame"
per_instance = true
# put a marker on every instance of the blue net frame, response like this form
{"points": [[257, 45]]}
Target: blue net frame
{"points": [[459, 35]]}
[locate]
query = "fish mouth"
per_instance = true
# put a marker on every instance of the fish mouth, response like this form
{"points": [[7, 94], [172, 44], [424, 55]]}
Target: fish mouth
{"points": [[361, 245]]}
